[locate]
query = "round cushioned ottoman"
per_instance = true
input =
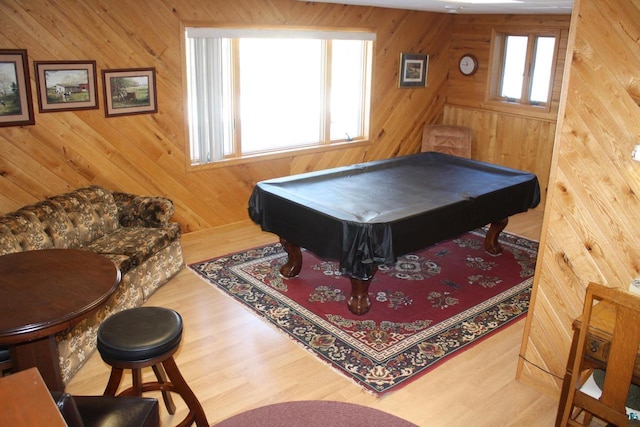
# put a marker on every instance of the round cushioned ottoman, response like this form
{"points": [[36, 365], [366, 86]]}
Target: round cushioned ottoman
{"points": [[315, 413]]}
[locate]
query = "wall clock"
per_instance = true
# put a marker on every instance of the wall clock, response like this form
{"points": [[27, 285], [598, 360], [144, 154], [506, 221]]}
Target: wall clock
{"points": [[468, 64]]}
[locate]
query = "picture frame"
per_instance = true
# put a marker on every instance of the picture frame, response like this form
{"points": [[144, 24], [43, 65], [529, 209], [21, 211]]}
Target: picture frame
{"points": [[16, 104], [129, 91], [66, 85], [413, 70]]}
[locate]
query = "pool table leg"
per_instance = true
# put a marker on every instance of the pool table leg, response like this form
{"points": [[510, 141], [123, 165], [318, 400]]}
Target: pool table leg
{"points": [[491, 243], [359, 302], [294, 260]]}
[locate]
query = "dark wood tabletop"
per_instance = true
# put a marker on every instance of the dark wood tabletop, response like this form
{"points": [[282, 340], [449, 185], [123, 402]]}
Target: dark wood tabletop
{"points": [[44, 292]]}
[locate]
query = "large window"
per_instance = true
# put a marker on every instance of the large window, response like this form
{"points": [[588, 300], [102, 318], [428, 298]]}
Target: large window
{"points": [[253, 92], [525, 65]]}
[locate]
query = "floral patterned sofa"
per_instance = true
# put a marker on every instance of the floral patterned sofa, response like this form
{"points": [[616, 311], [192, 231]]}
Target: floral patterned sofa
{"points": [[133, 231]]}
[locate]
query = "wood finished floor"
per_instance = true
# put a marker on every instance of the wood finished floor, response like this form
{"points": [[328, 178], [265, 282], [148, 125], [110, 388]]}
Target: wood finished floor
{"points": [[235, 362]]}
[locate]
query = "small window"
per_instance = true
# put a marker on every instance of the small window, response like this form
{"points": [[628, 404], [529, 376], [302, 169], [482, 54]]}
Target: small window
{"points": [[524, 64], [253, 92]]}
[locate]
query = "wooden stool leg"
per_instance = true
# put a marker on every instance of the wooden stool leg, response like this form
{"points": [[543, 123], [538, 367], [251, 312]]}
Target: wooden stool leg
{"points": [[136, 375], [181, 387], [114, 382], [166, 395]]}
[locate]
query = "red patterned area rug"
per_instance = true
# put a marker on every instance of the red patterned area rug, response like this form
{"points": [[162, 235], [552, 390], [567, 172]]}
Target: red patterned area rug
{"points": [[425, 308]]}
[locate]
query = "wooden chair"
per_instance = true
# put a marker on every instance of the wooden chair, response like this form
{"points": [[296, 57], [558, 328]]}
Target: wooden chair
{"points": [[619, 367], [455, 140]]}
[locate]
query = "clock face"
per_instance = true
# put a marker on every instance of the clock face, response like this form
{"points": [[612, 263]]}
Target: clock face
{"points": [[468, 64]]}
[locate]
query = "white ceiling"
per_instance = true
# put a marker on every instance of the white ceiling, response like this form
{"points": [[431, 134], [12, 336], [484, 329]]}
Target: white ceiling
{"points": [[559, 7]]}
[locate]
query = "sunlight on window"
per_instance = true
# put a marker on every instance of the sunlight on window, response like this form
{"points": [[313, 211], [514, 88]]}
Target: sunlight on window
{"points": [[543, 64], [254, 92], [347, 89], [281, 88], [514, 61]]}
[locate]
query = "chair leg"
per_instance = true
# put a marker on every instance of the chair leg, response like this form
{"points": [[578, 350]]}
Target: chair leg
{"points": [[114, 381], [181, 387], [136, 377], [166, 395]]}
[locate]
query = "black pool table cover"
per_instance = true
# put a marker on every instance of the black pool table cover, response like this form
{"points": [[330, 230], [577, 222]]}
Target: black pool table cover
{"points": [[371, 213]]}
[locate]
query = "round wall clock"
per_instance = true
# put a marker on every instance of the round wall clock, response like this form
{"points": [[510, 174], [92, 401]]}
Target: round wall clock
{"points": [[468, 64]]}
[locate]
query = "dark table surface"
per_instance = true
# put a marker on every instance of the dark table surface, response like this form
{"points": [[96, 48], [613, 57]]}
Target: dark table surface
{"points": [[44, 292], [371, 213]]}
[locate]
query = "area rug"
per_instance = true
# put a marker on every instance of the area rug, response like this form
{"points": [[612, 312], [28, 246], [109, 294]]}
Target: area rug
{"points": [[426, 308]]}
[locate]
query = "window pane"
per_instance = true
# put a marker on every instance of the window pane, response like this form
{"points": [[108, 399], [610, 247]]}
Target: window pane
{"points": [[274, 91], [347, 88], [543, 62], [280, 93], [514, 62]]}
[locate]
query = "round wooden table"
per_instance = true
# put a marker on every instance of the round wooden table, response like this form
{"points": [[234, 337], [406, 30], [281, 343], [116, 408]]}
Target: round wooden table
{"points": [[44, 292]]}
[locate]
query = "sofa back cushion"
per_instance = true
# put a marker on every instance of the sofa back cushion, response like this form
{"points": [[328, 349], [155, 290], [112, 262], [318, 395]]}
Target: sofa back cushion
{"points": [[22, 231], [65, 221], [91, 213]]}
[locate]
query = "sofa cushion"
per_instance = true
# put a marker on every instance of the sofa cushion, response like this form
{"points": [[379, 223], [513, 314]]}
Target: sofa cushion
{"points": [[129, 247], [22, 231], [64, 221], [91, 211], [143, 211]]}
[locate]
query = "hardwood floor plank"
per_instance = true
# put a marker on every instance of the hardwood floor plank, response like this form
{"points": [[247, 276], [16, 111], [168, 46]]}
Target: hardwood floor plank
{"points": [[235, 362]]}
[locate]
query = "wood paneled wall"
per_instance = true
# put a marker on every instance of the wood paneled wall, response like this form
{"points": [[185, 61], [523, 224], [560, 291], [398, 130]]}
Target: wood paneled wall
{"points": [[590, 230], [146, 154], [502, 135]]}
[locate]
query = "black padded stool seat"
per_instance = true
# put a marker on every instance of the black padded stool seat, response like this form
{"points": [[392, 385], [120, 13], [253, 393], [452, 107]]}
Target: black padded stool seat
{"points": [[140, 334], [147, 337]]}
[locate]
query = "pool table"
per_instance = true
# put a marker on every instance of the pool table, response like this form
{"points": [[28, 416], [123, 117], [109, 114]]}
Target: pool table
{"points": [[369, 214]]}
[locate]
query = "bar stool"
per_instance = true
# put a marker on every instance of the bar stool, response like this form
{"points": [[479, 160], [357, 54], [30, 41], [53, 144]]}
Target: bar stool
{"points": [[147, 337]]}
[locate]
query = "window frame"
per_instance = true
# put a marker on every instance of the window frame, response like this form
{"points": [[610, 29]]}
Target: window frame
{"points": [[325, 144], [496, 67]]}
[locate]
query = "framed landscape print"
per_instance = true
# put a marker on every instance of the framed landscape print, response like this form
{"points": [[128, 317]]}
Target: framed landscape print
{"points": [[16, 105], [413, 70], [66, 85], [129, 91]]}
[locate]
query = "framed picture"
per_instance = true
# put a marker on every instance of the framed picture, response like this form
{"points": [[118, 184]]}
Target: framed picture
{"points": [[129, 91], [413, 70], [16, 104], [66, 85]]}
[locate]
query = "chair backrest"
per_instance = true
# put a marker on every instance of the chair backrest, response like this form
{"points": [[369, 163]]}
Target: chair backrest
{"points": [[620, 362], [447, 139]]}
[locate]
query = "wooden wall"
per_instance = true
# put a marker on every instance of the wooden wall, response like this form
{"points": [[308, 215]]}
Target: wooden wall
{"points": [[590, 230], [145, 154], [502, 135]]}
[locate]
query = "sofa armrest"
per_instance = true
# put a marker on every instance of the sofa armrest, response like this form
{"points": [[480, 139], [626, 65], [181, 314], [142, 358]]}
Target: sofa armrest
{"points": [[143, 211]]}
